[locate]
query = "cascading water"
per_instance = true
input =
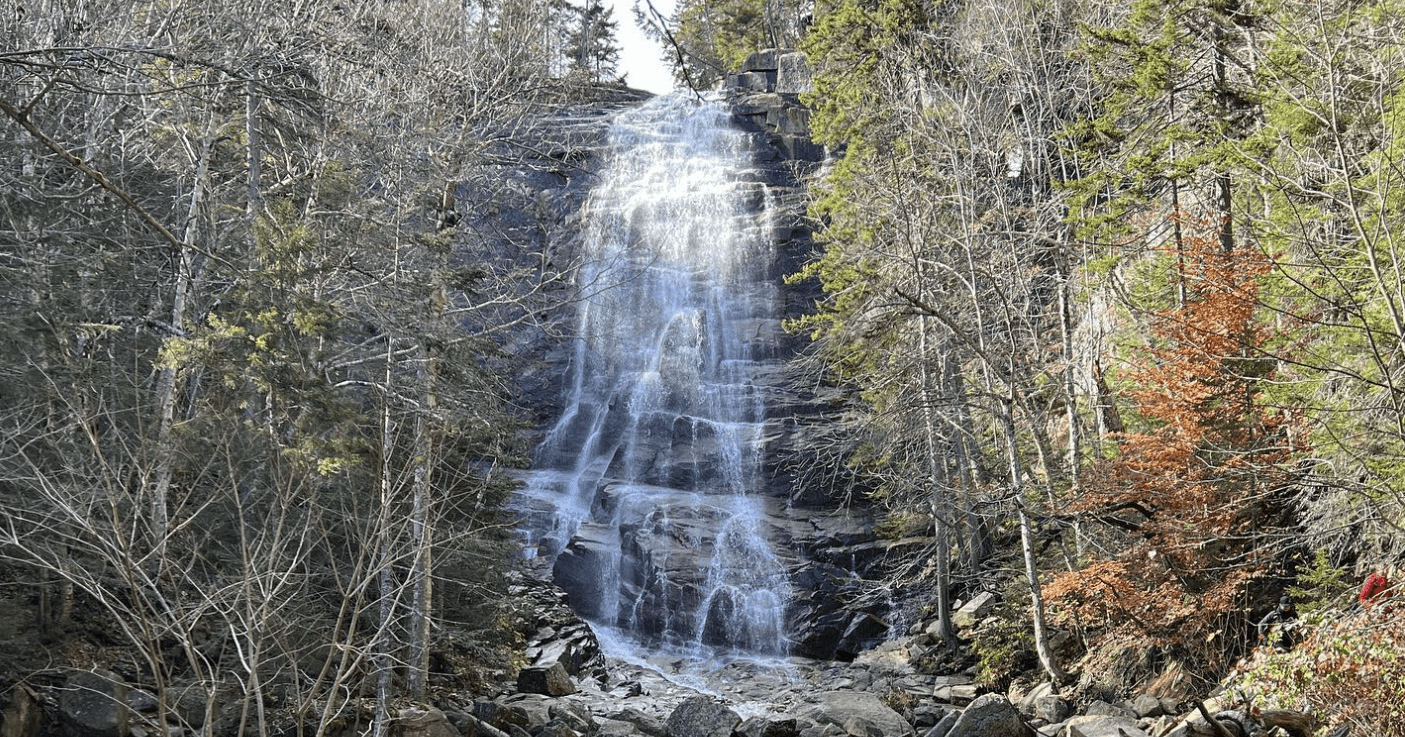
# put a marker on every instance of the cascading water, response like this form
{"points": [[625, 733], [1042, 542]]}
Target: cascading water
{"points": [[645, 487]]}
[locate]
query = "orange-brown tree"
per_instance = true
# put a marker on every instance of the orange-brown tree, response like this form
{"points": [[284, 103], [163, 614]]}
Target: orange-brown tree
{"points": [[1192, 499]]}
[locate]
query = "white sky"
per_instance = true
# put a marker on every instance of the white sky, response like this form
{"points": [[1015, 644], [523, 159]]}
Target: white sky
{"points": [[641, 60]]}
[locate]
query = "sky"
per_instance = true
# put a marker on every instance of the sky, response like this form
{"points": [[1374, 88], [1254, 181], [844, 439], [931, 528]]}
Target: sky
{"points": [[641, 60]]}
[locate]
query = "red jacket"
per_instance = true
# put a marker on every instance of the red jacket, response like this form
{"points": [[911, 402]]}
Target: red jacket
{"points": [[1373, 587]]}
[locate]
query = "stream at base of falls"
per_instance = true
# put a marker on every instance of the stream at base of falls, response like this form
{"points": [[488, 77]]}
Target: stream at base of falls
{"points": [[645, 495]]}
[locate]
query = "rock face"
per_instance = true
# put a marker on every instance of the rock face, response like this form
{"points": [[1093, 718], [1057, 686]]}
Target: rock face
{"points": [[659, 552], [557, 633]]}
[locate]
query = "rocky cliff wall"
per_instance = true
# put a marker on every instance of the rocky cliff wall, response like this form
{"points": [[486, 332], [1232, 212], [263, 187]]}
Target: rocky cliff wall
{"points": [[829, 551]]}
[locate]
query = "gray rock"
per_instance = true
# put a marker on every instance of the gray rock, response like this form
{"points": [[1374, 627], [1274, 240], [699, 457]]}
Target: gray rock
{"points": [[756, 81], [551, 680], [761, 61], [576, 716], [927, 716], [496, 715], [1103, 726], [974, 610], [1104, 709], [943, 727], [528, 710], [579, 568], [140, 700], [991, 715], [417, 722], [556, 729], [961, 693], [856, 726], [614, 728], [94, 704], [699, 716], [649, 725], [479, 728], [864, 631], [1026, 702], [793, 75], [1051, 709], [836, 707], [769, 727], [1147, 705]]}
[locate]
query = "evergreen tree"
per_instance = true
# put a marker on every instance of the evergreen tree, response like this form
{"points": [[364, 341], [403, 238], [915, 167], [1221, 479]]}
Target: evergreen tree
{"points": [[592, 49]]}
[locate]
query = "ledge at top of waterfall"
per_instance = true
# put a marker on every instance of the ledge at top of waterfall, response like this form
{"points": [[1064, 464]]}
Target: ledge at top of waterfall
{"points": [[645, 490]]}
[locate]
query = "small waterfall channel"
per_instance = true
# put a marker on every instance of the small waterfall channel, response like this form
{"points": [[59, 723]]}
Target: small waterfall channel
{"points": [[645, 493]]}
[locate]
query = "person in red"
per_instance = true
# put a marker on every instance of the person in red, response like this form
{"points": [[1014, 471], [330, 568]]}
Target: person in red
{"points": [[1373, 589]]}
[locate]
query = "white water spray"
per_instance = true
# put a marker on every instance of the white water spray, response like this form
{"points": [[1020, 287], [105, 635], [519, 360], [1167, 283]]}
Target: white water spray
{"points": [[653, 470]]}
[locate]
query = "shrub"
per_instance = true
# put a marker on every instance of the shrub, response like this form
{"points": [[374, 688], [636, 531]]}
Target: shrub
{"points": [[1346, 671]]}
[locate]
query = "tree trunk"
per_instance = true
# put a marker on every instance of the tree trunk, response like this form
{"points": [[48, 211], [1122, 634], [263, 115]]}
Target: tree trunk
{"points": [[969, 472], [422, 531], [1041, 636], [190, 266], [939, 480], [1073, 457], [383, 656]]}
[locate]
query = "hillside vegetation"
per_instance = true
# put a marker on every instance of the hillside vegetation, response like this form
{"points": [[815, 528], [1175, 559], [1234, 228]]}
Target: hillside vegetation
{"points": [[1118, 286], [254, 420]]}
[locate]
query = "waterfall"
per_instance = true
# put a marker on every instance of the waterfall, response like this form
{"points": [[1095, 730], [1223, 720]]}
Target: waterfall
{"points": [[646, 488]]}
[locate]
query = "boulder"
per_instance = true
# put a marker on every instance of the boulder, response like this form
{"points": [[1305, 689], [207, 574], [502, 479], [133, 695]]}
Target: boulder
{"points": [[991, 715], [1146, 705], [1103, 726], [94, 704], [699, 716], [836, 708], [769, 727], [1025, 703], [926, 716], [527, 710], [576, 716], [551, 680], [556, 729], [417, 722], [1104, 709], [142, 701], [856, 726], [497, 715], [943, 727], [954, 689], [615, 728], [643, 722], [1051, 709], [757, 81], [974, 610]]}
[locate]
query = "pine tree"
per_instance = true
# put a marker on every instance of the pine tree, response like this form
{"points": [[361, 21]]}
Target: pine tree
{"points": [[592, 49]]}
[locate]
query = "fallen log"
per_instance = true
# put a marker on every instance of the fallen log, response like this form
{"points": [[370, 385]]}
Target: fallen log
{"points": [[1295, 723]]}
